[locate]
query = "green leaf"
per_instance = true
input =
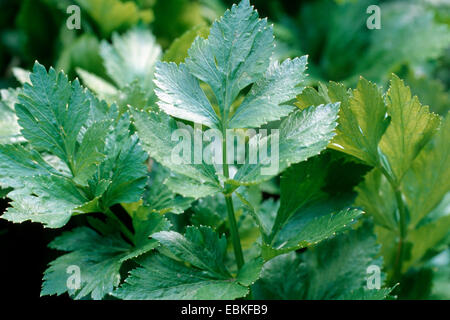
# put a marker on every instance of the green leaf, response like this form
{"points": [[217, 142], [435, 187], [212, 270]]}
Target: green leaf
{"points": [[300, 233], [154, 130], [428, 179], [111, 15], [131, 56], [180, 95], [178, 50], [301, 135], [300, 185], [18, 164], [266, 100], [236, 54], [90, 162], [159, 198], [306, 215], [47, 199], [201, 247], [160, 277], [362, 117], [124, 167], [51, 112], [376, 197], [426, 238], [98, 257], [209, 211], [412, 126], [250, 272], [9, 128], [192, 188], [90, 151], [335, 269], [192, 267]]}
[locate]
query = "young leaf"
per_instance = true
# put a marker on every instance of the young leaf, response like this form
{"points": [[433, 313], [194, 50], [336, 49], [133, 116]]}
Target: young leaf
{"points": [[111, 15], [412, 126], [424, 189], [362, 117], [130, 62], [235, 55], [428, 180], [131, 56], [178, 50]]}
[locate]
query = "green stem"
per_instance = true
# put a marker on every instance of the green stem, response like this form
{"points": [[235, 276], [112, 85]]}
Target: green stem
{"points": [[402, 235], [234, 232], [231, 216], [401, 227], [127, 233]]}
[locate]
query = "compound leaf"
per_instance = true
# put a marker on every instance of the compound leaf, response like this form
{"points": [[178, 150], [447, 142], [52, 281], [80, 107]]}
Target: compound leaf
{"points": [[236, 54]]}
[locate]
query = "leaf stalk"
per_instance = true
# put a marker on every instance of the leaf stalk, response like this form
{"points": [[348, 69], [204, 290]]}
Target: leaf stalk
{"points": [[231, 216]]}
